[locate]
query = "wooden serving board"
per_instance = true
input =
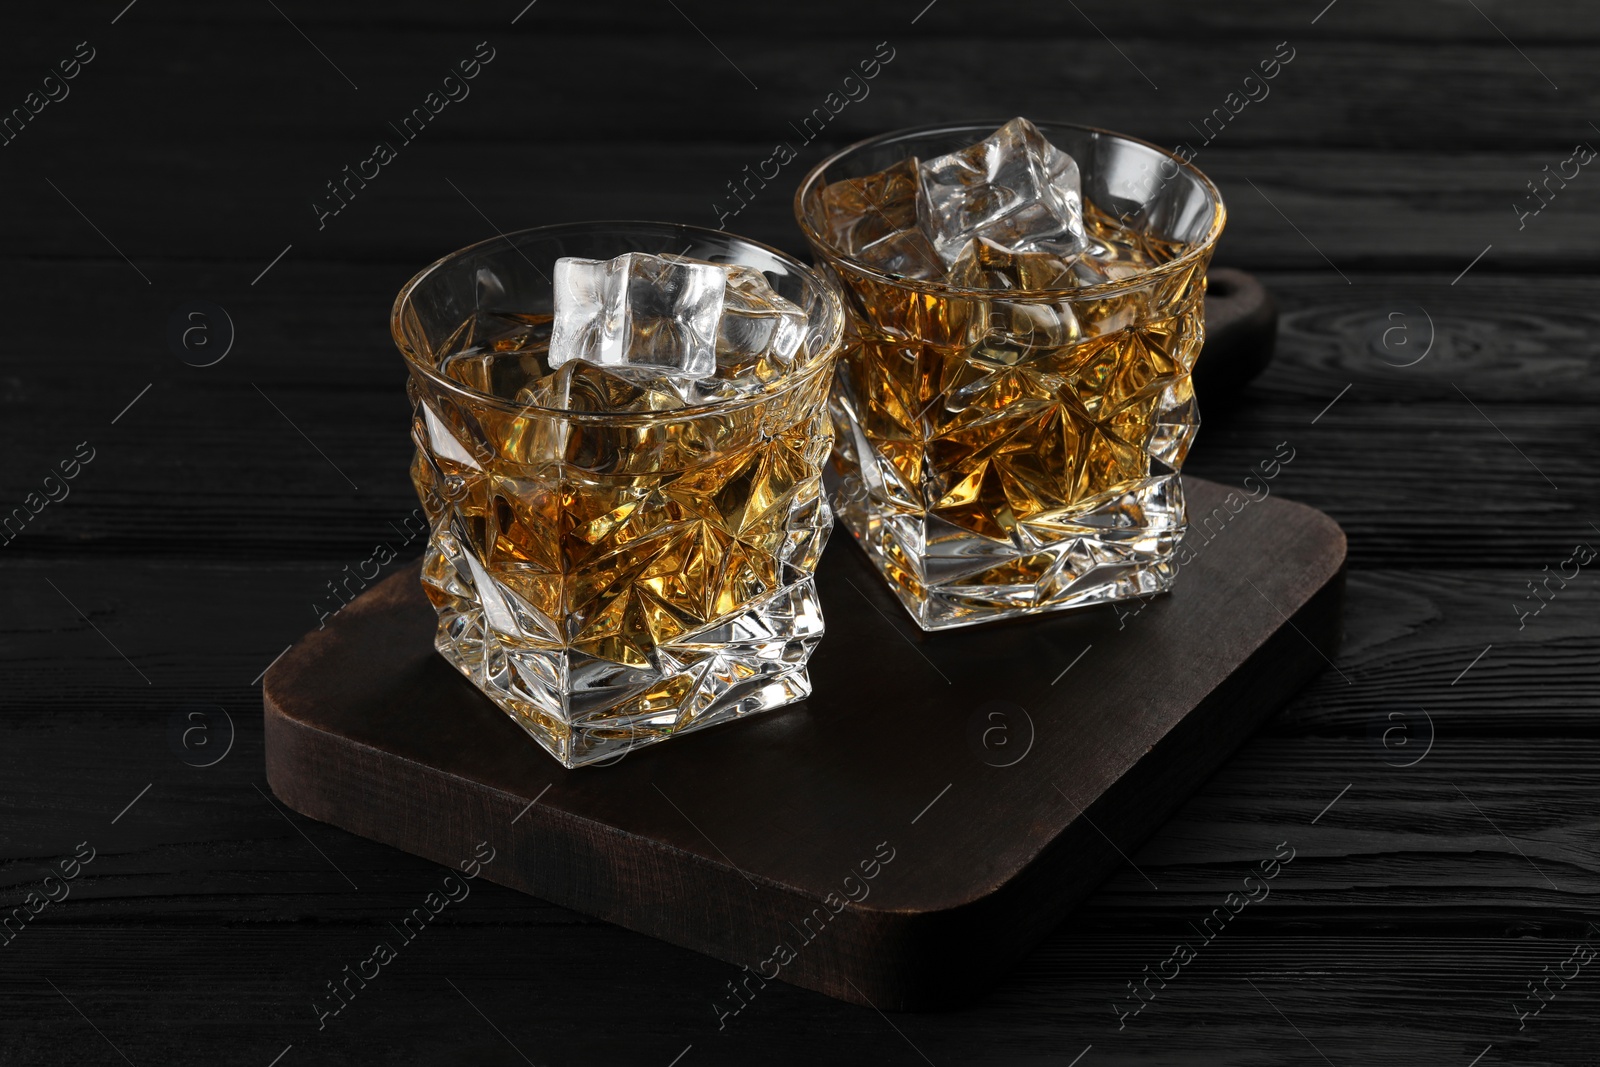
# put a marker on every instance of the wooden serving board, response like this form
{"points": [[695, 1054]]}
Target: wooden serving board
{"points": [[1241, 335], [903, 837]]}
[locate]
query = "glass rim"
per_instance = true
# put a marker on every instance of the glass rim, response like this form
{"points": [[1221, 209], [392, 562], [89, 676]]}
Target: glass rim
{"points": [[417, 364], [1199, 250]]}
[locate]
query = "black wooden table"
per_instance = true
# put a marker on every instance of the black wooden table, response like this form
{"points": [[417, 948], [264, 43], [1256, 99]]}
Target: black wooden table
{"points": [[188, 497]]}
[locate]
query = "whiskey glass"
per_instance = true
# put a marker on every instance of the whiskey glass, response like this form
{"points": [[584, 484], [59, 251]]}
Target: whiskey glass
{"points": [[612, 579], [1005, 452]]}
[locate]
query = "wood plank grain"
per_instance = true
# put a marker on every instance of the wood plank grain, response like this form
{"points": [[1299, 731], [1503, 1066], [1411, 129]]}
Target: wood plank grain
{"points": [[1411, 635], [232, 476], [253, 455], [368, 729], [1556, 21], [1337, 89], [1304, 209], [1399, 139], [1403, 844], [1401, 904], [1407, 337], [1383, 999]]}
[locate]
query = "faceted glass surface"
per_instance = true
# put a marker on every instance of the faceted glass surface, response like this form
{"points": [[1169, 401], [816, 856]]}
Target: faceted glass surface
{"points": [[611, 579], [1010, 430]]}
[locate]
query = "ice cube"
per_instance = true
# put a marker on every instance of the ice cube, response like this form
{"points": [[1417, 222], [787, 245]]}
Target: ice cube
{"points": [[638, 310], [582, 385], [985, 264], [755, 335], [1013, 188], [876, 218], [908, 253], [1114, 255], [756, 321], [858, 212], [1094, 270], [501, 374]]}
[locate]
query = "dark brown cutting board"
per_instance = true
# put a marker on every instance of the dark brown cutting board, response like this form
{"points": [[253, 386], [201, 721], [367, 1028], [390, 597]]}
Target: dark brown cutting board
{"points": [[1241, 333], [979, 776]]}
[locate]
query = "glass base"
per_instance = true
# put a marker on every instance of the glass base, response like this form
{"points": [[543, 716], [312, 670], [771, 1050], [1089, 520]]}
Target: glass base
{"points": [[585, 710], [1115, 549]]}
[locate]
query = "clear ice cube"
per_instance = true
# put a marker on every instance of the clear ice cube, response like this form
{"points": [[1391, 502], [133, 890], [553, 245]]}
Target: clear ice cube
{"points": [[582, 385], [688, 333], [986, 264], [908, 253], [858, 212], [638, 310], [756, 321], [1014, 189], [876, 218]]}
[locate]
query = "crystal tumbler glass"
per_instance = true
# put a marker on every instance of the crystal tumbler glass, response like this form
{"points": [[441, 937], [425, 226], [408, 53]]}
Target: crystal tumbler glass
{"points": [[1004, 452], [611, 579]]}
